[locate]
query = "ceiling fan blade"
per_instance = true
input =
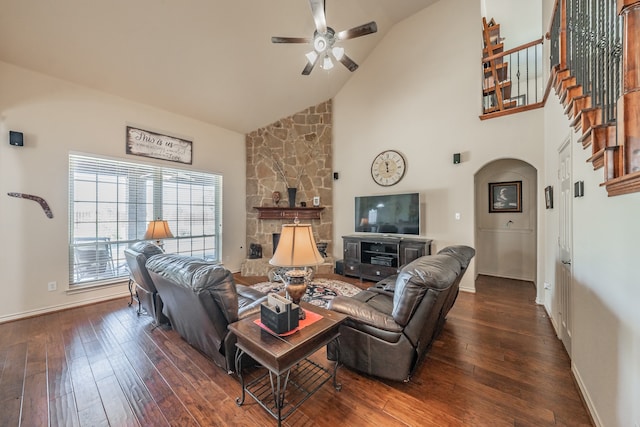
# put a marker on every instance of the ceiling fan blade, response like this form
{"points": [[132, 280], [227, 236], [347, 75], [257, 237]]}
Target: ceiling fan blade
{"points": [[349, 63], [359, 31], [308, 68], [317, 10], [310, 64], [290, 40]]}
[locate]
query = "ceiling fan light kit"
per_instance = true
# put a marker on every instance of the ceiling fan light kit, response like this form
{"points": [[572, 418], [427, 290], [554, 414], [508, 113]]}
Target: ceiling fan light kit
{"points": [[324, 39]]}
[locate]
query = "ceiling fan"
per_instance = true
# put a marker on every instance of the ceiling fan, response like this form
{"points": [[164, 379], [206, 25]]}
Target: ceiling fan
{"points": [[324, 38]]}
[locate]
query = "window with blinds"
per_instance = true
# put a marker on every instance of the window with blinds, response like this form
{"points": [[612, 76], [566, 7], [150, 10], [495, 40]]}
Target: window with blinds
{"points": [[111, 203]]}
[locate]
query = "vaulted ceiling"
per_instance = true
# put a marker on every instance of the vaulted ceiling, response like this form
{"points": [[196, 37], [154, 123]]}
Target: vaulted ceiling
{"points": [[212, 60]]}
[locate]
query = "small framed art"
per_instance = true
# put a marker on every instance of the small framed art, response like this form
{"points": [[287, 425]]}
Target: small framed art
{"points": [[505, 196]]}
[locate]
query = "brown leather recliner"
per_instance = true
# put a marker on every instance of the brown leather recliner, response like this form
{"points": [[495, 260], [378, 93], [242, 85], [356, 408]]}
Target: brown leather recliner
{"points": [[391, 326], [201, 299], [145, 290]]}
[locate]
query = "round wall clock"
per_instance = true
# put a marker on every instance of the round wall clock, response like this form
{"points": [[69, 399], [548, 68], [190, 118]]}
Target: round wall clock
{"points": [[388, 168]]}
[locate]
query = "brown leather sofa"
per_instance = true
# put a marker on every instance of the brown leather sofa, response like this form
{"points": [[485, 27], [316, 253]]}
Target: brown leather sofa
{"points": [[145, 290], [201, 299], [391, 325]]}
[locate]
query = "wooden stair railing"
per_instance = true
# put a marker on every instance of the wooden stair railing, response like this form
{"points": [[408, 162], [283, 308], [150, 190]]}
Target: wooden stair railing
{"points": [[615, 145]]}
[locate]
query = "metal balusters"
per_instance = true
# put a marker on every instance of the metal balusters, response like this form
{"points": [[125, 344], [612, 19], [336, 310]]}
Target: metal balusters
{"points": [[524, 73], [594, 50], [616, 61], [600, 48]]}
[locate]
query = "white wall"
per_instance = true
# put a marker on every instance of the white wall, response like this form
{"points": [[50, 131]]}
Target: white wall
{"points": [[606, 284], [519, 20], [56, 118], [419, 93]]}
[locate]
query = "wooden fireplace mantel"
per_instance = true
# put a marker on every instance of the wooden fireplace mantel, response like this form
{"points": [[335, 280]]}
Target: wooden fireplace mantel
{"points": [[274, 212]]}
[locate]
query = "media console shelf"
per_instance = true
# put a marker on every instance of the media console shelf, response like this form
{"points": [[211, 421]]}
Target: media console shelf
{"points": [[376, 257]]}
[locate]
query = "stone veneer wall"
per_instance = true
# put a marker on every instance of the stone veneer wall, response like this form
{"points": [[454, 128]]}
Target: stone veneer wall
{"points": [[299, 147]]}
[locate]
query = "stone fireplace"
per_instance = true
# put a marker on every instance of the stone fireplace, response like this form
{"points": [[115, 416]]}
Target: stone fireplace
{"points": [[295, 151]]}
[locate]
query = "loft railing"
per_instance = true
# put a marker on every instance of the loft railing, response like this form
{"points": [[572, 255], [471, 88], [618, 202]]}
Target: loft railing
{"points": [[524, 88]]}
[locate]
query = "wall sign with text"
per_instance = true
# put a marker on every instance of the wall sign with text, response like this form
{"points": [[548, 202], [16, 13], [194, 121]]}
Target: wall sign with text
{"points": [[150, 144]]}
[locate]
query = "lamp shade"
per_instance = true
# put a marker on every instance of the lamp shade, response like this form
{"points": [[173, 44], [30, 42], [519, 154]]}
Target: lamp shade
{"points": [[158, 230], [296, 247]]}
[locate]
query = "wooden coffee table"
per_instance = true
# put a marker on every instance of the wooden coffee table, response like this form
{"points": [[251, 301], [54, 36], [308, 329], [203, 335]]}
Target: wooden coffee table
{"points": [[285, 360]]}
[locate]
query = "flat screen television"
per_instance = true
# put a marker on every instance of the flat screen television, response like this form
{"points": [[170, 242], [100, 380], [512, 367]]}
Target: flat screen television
{"points": [[388, 214]]}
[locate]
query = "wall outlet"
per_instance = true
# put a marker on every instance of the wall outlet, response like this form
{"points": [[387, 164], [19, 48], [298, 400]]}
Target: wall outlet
{"points": [[52, 286], [457, 216]]}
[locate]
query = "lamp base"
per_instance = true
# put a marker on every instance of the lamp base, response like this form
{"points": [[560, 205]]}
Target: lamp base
{"points": [[296, 286]]}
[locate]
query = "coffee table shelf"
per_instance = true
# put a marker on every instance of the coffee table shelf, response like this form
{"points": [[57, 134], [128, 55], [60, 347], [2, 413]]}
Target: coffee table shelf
{"points": [[304, 380]]}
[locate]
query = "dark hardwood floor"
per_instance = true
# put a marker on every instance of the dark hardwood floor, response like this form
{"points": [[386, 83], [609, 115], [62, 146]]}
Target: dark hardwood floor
{"points": [[496, 363]]}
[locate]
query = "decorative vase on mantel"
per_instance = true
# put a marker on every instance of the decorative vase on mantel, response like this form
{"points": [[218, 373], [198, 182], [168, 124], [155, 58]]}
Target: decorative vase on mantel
{"points": [[291, 191]]}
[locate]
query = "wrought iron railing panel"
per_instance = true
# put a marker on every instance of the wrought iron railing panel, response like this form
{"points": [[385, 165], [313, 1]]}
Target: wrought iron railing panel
{"points": [[593, 50], [523, 80]]}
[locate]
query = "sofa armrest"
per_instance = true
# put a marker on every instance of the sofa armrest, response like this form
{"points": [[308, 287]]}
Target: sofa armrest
{"points": [[361, 312]]}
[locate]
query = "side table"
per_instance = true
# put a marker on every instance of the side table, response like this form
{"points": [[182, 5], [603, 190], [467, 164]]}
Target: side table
{"points": [[285, 358]]}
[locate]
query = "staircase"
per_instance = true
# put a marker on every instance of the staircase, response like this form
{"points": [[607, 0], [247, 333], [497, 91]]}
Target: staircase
{"points": [[599, 86], [596, 77]]}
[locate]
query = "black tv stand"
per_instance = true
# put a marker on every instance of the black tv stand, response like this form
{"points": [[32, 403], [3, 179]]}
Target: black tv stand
{"points": [[374, 257]]}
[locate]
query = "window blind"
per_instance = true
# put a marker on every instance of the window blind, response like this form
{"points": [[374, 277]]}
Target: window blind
{"points": [[111, 202]]}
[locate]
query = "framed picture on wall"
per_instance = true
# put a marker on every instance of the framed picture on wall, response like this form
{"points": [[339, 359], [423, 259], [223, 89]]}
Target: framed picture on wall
{"points": [[505, 196]]}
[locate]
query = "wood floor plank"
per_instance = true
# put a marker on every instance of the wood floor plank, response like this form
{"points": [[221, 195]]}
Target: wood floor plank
{"points": [[58, 375], [35, 403], [88, 400], [12, 380], [10, 413], [497, 362], [63, 411], [115, 403]]}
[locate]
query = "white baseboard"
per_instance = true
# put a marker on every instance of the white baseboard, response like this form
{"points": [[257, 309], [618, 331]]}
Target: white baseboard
{"points": [[468, 289], [553, 321], [585, 396], [51, 309]]}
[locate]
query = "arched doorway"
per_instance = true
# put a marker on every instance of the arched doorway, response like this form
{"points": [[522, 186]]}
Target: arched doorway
{"points": [[506, 231]]}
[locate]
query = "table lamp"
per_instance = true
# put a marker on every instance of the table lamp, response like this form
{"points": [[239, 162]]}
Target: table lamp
{"points": [[296, 249], [158, 230]]}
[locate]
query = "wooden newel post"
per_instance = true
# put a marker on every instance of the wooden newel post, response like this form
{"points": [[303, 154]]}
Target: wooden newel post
{"points": [[628, 120]]}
